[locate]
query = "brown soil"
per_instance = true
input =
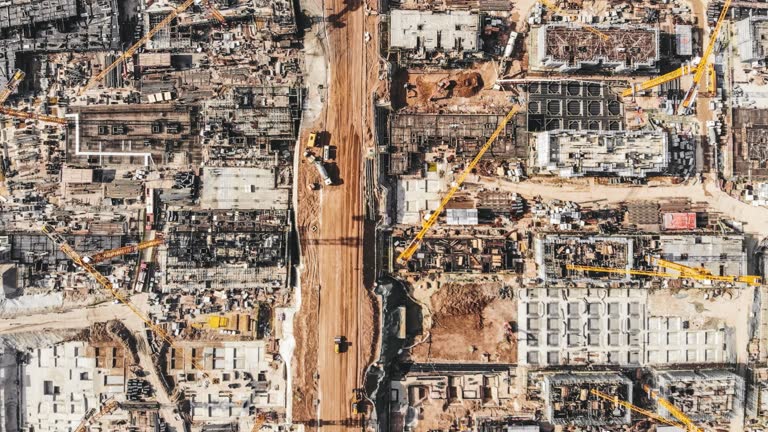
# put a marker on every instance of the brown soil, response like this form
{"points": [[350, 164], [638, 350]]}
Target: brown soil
{"points": [[470, 323]]}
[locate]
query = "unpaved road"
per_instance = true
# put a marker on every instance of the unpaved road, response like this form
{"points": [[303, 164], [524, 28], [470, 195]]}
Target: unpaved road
{"points": [[334, 248], [72, 319]]}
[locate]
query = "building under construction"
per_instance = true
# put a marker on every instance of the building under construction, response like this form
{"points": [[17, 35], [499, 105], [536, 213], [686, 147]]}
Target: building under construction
{"points": [[713, 396], [570, 153], [719, 254], [218, 249], [417, 139], [597, 326], [474, 250], [569, 401], [573, 105], [571, 48], [750, 141], [249, 125], [146, 134], [433, 38]]}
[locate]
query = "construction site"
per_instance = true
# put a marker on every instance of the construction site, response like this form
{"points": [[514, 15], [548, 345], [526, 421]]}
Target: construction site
{"points": [[405, 215], [580, 233], [146, 175]]}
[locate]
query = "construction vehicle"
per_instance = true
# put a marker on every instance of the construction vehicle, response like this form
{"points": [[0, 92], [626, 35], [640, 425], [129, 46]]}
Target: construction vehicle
{"points": [[114, 253], [311, 140], [650, 414], [108, 407], [358, 403], [11, 86], [32, 116], [442, 90], [132, 50], [551, 6], [339, 344], [690, 96], [659, 80], [683, 272], [323, 172], [408, 252]]}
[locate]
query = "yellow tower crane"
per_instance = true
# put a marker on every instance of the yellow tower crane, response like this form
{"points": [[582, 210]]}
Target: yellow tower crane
{"points": [[132, 50], [659, 80], [551, 6], [125, 250], [33, 116], [691, 94], [108, 407], [102, 280], [669, 406], [683, 272], [11, 86], [650, 414], [408, 252]]}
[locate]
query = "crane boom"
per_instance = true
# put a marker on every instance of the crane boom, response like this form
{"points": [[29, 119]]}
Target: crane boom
{"points": [[704, 274], [669, 406], [63, 246], [406, 254], [659, 80], [114, 253], [649, 414], [12, 85], [705, 57], [215, 13], [619, 271], [551, 6], [32, 116], [684, 272], [110, 406], [130, 51]]}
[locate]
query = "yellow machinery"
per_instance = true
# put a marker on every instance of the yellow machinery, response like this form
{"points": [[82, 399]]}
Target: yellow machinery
{"points": [[650, 414], [114, 253], [147, 37], [108, 407], [311, 140], [102, 280], [12, 85], [132, 50], [551, 6], [669, 406], [32, 116], [215, 13], [711, 79], [414, 245], [659, 80], [683, 272], [690, 95]]}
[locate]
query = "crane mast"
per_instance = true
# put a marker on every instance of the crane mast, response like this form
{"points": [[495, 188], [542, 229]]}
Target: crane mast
{"points": [[414, 244]]}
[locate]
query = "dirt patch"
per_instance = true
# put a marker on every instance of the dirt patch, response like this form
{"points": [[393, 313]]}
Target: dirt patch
{"points": [[470, 322], [432, 91]]}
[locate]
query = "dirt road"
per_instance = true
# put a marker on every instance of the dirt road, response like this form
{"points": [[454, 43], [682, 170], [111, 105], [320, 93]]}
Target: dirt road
{"points": [[330, 224]]}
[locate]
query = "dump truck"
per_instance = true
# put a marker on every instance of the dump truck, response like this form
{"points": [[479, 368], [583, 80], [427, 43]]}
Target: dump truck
{"points": [[339, 343], [323, 172]]}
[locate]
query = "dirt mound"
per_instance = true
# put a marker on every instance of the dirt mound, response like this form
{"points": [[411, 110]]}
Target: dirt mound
{"points": [[460, 301], [468, 84]]}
